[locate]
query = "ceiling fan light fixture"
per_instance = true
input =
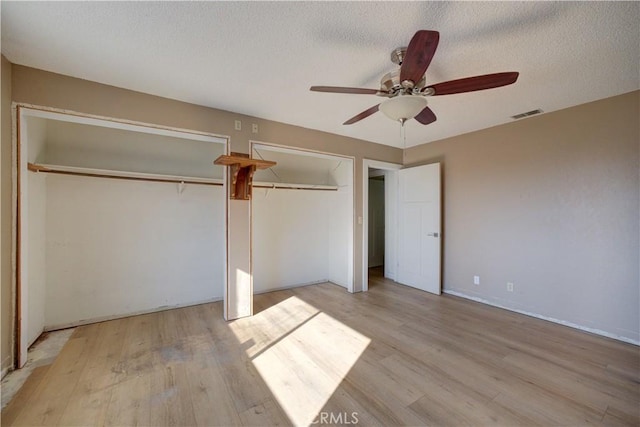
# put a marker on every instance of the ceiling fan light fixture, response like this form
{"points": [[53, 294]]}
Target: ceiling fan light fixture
{"points": [[404, 107]]}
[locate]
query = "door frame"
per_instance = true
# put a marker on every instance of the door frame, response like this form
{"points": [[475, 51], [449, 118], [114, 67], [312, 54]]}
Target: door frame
{"points": [[366, 165]]}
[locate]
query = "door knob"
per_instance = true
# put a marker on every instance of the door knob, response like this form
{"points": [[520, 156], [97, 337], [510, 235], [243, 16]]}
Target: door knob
{"points": [[432, 234]]}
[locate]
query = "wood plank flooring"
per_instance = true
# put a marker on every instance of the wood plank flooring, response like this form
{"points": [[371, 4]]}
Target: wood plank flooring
{"points": [[392, 356]]}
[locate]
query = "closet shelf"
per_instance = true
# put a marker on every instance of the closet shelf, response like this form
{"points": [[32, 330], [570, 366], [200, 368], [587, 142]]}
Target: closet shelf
{"points": [[135, 176], [243, 162], [241, 170]]}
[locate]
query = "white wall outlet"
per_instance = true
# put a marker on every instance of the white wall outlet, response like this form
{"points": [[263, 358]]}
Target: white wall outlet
{"points": [[254, 128], [238, 125], [509, 286], [476, 280]]}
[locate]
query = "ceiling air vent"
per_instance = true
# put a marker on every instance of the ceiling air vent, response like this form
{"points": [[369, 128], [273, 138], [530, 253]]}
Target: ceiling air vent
{"points": [[527, 114]]}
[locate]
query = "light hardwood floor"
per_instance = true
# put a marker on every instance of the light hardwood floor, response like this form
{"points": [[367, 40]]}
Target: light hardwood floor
{"points": [[392, 356]]}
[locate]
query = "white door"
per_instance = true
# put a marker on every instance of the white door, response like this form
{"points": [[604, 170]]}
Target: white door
{"points": [[419, 227]]}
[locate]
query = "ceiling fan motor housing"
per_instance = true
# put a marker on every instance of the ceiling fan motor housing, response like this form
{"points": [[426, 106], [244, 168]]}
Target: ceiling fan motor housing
{"points": [[391, 85]]}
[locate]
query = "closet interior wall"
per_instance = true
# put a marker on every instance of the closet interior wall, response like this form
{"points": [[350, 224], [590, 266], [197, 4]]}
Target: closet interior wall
{"points": [[100, 248], [303, 236]]}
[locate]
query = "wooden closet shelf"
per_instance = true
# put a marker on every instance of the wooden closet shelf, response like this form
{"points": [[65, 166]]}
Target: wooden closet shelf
{"points": [[241, 170], [243, 162]]}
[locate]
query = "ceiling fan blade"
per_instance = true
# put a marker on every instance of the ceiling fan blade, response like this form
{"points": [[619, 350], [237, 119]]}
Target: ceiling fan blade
{"points": [[337, 89], [426, 116], [470, 84], [363, 115], [419, 54]]}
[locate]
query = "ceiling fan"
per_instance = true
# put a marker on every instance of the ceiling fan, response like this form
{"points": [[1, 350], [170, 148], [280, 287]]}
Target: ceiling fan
{"points": [[406, 88]]}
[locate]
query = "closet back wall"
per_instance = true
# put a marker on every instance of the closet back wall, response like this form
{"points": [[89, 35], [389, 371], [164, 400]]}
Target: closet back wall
{"points": [[290, 238], [118, 247], [101, 248], [302, 236]]}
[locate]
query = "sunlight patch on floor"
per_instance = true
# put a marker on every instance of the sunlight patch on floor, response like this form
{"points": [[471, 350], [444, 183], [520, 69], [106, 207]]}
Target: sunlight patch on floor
{"points": [[306, 359]]}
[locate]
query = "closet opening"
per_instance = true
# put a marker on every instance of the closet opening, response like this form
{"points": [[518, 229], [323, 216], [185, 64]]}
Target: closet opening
{"points": [[114, 219], [302, 219]]}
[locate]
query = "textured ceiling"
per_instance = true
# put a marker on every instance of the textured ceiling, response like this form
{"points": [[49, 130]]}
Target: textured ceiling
{"points": [[260, 58]]}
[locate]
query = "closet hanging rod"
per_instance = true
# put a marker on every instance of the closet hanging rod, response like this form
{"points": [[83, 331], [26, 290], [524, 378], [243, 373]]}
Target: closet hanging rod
{"points": [[295, 187], [105, 174], [102, 173]]}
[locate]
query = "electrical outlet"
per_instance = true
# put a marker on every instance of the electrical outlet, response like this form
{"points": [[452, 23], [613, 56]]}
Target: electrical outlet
{"points": [[510, 287], [476, 280], [254, 128], [238, 125]]}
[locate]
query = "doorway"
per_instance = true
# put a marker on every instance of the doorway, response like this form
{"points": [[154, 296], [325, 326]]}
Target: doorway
{"points": [[411, 206], [376, 219], [381, 252]]}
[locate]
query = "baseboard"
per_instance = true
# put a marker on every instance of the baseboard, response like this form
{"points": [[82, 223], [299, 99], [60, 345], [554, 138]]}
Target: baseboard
{"points": [[30, 342], [122, 316], [549, 319], [299, 285], [6, 366]]}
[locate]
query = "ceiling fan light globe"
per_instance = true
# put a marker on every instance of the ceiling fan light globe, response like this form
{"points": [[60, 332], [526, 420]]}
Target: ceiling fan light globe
{"points": [[404, 107]]}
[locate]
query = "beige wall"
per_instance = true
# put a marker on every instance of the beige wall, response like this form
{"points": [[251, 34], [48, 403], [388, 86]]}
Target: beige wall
{"points": [[54, 90], [550, 203], [6, 318]]}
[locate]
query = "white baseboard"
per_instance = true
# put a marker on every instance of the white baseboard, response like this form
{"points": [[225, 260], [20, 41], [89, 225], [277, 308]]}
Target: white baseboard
{"points": [[299, 285], [122, 316], [549, 319]]}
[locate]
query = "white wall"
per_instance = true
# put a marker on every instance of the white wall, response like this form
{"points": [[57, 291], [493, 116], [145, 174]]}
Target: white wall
{"points": [[99, 147], [290, 237], [341, 216], [118, 247], [36, 235], [35, 231], [238, 296], [339, 252], [94, 248], [303, 236], [391, 224]]}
